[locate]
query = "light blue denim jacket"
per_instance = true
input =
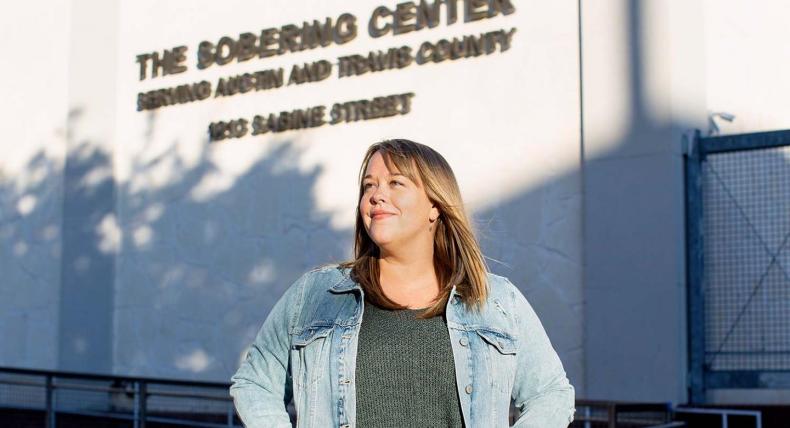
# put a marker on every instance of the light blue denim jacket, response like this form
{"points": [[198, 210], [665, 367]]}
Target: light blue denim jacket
{"points": [[307, 348]]}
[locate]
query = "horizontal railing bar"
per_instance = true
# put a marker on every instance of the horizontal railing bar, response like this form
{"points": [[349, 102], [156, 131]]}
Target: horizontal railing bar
{"points": [[742, 142], [78, 387], [94, 376], [191, 395], [72, 386], [23, 383]]}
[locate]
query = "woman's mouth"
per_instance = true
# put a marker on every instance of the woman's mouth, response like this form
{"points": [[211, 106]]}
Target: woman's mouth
{"points": [[379, 216]]}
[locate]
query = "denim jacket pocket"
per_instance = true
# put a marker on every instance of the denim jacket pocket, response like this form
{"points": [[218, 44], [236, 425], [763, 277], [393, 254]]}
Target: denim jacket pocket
{"points": [[309, 352], [502, 357], [503, 342]]}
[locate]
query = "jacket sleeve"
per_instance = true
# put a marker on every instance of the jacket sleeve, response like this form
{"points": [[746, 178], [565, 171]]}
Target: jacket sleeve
{"points": [[543, 395], [261, 388]]}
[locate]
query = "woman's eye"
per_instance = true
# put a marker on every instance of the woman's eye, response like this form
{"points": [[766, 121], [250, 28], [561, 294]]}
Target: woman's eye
{"points": [[367, 186], [393, 182]]}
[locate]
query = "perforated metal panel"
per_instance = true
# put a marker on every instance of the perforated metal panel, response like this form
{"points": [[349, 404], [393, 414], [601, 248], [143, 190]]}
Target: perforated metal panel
{"points": [[738, 218], [746, 259]]}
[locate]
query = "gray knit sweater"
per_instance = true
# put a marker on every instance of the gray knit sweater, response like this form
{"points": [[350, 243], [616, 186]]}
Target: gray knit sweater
{"points": [[405, 375]]}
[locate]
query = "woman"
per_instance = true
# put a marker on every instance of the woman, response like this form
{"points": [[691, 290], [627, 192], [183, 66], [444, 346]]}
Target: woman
{"points": [[442, 341]]}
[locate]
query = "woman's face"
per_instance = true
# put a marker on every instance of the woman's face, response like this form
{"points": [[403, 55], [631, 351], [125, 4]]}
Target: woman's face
{"points": [[394, 209]]}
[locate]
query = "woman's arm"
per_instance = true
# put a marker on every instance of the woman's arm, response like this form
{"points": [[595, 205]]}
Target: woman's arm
{"points": [[261, 388], [543, 395]]}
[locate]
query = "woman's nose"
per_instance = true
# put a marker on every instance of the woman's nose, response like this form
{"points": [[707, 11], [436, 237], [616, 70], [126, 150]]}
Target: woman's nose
{"points": [[377, 196]]}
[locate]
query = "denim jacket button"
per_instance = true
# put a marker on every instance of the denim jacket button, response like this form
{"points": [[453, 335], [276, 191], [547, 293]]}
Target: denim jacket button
{"points": [[468, 389], [464, 341]]}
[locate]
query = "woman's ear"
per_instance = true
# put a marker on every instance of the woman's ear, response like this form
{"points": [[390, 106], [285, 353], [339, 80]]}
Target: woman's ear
{"points": [[434, 213]]}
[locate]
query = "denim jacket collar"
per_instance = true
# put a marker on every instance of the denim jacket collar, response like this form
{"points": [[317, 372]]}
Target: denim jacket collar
{"points": [[346, 284]]}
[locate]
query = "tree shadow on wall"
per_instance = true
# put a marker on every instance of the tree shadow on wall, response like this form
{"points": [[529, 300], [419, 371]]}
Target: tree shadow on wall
{"points": [[200, 269], [30, 224], [157, 277]]}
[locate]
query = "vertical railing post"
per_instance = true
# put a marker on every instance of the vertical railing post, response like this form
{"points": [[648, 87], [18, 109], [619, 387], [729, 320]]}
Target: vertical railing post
{"points": [[142, 395], [612, 415], [230, 413], [694, 271], [587, 410], [50, 414], [136, 409]]}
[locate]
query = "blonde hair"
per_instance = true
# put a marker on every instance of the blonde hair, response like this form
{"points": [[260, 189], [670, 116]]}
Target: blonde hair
{"points": [[457, 258]]}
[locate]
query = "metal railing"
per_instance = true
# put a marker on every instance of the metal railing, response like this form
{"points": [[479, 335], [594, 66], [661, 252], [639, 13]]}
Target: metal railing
{"points": [[611, 414], [724, 414], [136, 399], [51, 398]]}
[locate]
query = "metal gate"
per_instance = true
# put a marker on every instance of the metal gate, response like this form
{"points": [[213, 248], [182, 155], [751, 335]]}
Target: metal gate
{"points": [[738, 249]]}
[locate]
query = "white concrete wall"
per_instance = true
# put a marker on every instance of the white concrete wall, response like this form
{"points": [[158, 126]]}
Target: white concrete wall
{"points": [[34, 117], [747, 63]]}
